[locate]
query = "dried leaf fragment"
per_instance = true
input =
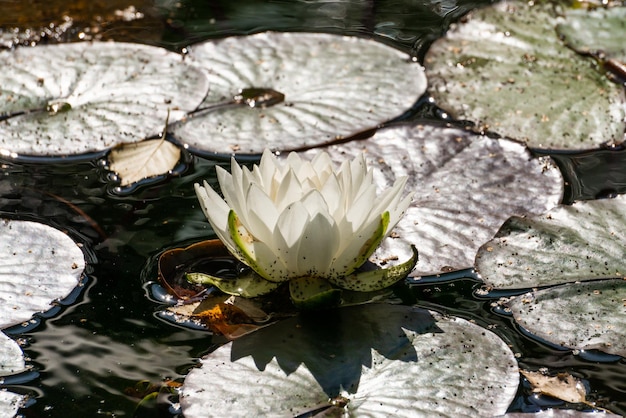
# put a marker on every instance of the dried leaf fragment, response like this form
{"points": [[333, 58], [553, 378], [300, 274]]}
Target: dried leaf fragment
{"points": [[563, 386]]}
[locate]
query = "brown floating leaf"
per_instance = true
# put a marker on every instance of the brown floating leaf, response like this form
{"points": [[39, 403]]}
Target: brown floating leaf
{"points": [[563, 386], [230, 316], [142, 160], [174, 263]]}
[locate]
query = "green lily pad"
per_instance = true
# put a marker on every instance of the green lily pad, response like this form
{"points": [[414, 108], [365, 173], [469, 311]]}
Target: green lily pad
{"points": [[598, 30], [290, 90], [466, 186], [590, 315], [569, 243], [88, 97], [373, 360], [38, 264], [506, 70]]}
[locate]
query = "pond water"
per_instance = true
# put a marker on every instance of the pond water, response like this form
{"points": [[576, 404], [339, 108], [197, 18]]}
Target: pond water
{"points": [[93, 355]]}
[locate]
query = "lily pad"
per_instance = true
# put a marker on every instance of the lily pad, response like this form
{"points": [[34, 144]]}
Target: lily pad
{"points": [[88, 97], [590, 315], [596, 31], [374, 360], [506, 70], [466, 187], [569, 243], [38, 264], [11, 357], [291, 90], [9, 403]]}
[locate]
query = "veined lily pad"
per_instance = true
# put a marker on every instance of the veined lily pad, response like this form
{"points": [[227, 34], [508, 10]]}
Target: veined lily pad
{"points": [[570, 243], [87, 97], [38, 264], [466, 187], [599, 30], [11, 357], [590, 315], [374, 360], [290, 90], [506, 70]]}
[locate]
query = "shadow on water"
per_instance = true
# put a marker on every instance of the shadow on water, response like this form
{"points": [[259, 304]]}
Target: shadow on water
{"points": [[334, 345]]}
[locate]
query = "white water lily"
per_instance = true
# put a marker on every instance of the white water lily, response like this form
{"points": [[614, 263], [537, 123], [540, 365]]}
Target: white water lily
{"points": [[304, 219]]}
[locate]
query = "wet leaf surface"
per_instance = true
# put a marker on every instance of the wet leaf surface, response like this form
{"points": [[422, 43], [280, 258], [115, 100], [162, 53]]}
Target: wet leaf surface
{"points": [[317, 87], [583, 316], [375, 360], [579, 242], [506, 70], [87, 97], [38, 264], [465, 186]]}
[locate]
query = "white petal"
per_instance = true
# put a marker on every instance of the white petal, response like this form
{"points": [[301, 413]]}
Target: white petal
{"points": [[270, 262], [291, 223], [362, 207], [262, 214], [318, 246], [289, 191], [331, 191], [216, 211], [348, 256]]}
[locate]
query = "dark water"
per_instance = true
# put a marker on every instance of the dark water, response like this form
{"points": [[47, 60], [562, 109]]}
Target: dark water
{"points": [[88, 354]]}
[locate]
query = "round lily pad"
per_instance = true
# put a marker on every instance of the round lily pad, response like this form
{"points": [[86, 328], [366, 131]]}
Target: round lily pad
{"points": [[590, 315], [465, 186], [569, 243], [290, 90], [506, 70], [38, 264], [373, 360], [87, 97]]}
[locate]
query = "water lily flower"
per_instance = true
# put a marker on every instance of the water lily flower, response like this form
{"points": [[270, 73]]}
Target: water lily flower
{"points": [[305, 222]]}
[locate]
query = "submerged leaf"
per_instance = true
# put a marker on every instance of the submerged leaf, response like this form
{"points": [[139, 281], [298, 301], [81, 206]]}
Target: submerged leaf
{"points": [[374, 360], [506, 70], [291, 90], [590, 315]]}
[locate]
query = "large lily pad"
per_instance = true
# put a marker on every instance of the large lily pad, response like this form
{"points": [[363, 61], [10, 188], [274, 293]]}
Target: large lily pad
{"points": [[596, 31], [374, 360], [11, 357], [38, 264], [290, 90], [569, 243], [590, 315], [506, 70], [87, 97], [465, 187]]}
